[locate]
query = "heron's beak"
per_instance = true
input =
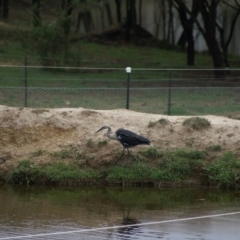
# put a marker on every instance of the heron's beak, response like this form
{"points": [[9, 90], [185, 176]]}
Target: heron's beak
{"points": [[99, 130]]}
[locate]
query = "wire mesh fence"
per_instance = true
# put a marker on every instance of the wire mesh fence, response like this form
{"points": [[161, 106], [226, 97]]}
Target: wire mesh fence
{"points": [[161, 91], [174, 101]]}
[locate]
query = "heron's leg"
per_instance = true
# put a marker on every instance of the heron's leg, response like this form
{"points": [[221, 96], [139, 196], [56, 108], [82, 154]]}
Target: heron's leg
{"points": [[128, 157], [120, 156]]}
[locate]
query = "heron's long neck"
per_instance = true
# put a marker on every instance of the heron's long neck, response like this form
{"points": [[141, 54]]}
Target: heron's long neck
{"points": [[111, 135]]}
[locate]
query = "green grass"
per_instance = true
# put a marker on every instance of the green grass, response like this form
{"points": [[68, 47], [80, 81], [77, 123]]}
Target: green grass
{"points": [[225, 171], [90, 143], [179, 165], [63, 154], [151, 153], [146, 166]]}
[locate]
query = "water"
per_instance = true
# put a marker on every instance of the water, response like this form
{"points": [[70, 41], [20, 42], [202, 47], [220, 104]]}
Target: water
{"points": [[62, 213]]}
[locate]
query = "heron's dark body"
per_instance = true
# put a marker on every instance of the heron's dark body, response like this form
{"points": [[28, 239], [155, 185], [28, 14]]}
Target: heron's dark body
{"points": [[130, 139]]}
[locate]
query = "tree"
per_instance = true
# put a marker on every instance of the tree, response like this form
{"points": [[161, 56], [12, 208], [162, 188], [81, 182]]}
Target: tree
{"points": [[130, 18], [164, 20], [230, 22], [119, 13], [207, 25], [187, 22], [4, 8], [67, 8], [171, 35], [36, 13], [210, 25], [208, 10]]}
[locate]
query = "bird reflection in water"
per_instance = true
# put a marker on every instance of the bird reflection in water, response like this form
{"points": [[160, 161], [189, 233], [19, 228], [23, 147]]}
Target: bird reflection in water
{"points": [[126, 232]]}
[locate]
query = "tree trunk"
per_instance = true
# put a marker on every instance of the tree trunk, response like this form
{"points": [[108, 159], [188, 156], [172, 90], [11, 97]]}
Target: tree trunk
{"points": [[1, 4], [131, 18], [217, 58], [187, 25], [119, 15], [140, 13], [190, 47], [182, 40], [128, 21], [109, 13], [5, 9], [225, 40], [171, 37], [209, 16], [163, 12], [187, 21], [36, 13]]}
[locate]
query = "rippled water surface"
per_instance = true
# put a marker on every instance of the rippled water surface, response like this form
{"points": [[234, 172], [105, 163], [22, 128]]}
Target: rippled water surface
{"points": [[140, 213]]}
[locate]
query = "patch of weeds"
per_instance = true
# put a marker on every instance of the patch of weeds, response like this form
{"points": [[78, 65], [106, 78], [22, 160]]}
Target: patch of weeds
{"points": [[37, 153], [24, 173], [161, 121], [225, 171], [234, 116], [80, 155], [189, 142], [90, 143], [136, 158], [161, 175], [102, 143], [63, 154], [178, 165], [39, 111], [141, 171], [151, 124], [79, 162], [195, 154], [61, 171], [197, 123], [137, 172], [151, 153], [118, 173], [214, 148]]}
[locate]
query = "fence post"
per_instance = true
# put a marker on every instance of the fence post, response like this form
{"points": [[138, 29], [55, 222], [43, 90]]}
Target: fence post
{"points": [[169, 92], [25, 84], [128, 71]]}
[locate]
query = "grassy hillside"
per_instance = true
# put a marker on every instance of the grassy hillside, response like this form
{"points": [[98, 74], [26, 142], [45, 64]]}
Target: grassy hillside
{"points": [[15, 45], [16, 50]]}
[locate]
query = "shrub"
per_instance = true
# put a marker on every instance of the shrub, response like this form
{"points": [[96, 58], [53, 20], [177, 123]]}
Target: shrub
{"points": [[52, 44], [225, 171], [161, 121], [24, 173], [178, 165], [197, 123]]}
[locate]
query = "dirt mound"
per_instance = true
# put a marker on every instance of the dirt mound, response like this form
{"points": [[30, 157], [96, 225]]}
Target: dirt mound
{"points": [[24, 132]]}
